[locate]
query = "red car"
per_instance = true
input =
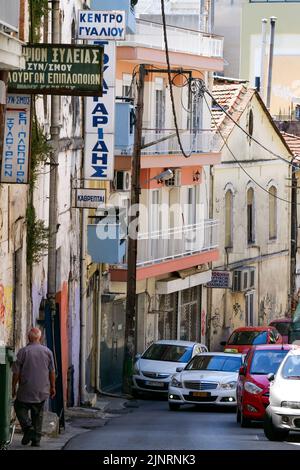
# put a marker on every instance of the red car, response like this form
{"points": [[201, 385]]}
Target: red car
{"points": [[243, 339], [253, 384], [282, 326]]}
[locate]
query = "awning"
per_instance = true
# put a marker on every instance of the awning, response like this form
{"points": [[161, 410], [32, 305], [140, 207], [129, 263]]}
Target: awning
{"points": [[169, 286]]}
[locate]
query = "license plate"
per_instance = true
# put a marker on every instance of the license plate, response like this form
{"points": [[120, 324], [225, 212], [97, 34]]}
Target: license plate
{"points": [[200, 394], [154, 384]]}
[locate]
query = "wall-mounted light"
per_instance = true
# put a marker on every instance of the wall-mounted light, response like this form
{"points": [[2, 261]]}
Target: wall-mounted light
{"points": [[196, 176]]}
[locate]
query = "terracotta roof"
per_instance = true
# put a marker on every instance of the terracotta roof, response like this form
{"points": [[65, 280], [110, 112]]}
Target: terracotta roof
{"points": [[293, 141]]}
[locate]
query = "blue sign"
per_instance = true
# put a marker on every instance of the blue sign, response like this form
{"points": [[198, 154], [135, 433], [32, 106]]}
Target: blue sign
{"points": [[97, 24]]}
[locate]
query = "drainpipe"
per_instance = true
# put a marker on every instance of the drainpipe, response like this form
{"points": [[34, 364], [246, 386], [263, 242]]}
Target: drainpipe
{"points": [[98, 336], [263, 55], [83, 307], [270, 71]]}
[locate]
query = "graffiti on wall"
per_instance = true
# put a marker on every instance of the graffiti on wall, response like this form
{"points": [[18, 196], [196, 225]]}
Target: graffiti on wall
{"points": [[237, 311], [203, 324], [216, 321], [6, 317], [269, 309]]}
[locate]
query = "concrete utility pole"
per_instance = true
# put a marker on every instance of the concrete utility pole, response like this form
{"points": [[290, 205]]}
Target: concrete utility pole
{"points": [[3, 89], [131, 313], [270, 71], [54, 130], [263, 56]]}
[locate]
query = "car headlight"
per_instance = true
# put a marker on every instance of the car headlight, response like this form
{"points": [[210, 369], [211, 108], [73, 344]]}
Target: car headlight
{"points": [[250, 387], [291, 404], [228, 385], [136, 369], [176, 383]]}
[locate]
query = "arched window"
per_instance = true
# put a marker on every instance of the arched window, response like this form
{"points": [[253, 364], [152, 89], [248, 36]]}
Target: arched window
{"points": [[272, 213], [250, 216], [228, 219]]}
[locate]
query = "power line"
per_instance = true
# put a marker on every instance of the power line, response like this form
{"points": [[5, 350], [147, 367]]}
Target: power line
{"points": [[240, 165], [186, 155]]}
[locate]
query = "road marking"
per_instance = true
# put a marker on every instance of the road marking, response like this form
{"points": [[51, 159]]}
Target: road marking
{"points": [[293, 443]]}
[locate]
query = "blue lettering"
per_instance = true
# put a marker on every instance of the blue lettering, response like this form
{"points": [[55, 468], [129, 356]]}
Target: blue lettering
{"points": [[99, 172]]}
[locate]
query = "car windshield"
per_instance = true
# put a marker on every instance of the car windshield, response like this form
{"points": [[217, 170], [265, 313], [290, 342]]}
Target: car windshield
{"points": [[168, 352], [248, 337], [282, 327], [267, 362], [291, 368], [216, 363]]}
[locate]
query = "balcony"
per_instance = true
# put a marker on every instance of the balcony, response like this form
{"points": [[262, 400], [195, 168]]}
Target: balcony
{"points": [[173, 249], [182, 40], [166, 142]]}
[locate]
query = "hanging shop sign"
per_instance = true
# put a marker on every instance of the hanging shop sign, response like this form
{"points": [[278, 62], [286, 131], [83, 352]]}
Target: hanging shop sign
{"points": [[100, 24], [15, 158], [219, 279], [90, 198], [99, 138], [59, 70]]}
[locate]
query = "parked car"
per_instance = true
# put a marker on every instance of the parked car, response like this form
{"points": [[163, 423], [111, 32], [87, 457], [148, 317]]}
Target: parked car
{"points": [[209, 378], [243, 339], [282, 326], [253, 384], [154, 368], [283, 412]]}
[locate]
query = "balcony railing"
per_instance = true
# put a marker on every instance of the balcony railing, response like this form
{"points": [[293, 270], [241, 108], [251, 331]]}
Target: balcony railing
{"points": [[204, 141], [176, 243], [149, 34]]}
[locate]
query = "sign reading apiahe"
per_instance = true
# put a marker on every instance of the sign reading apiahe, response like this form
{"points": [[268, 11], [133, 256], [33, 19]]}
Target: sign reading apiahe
{"points": [[90, 198], [15, 158], [100, 24], [59, 70]]}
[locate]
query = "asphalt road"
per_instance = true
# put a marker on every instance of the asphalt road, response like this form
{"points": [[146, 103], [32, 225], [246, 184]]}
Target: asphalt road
{"points": [[153, 426]]}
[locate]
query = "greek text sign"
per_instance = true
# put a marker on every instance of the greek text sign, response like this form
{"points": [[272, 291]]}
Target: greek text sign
{"points": [[100, 123], [90, 198], [15, 159], [219, 279], [59, 70], [105, 25]]}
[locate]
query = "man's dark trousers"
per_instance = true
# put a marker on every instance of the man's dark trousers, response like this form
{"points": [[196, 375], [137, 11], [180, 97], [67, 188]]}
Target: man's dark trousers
{"points": [[35, 422]]}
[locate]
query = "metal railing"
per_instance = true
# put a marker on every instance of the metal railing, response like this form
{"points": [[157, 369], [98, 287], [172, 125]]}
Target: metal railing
{"points": [[175, 243], [149, 34], [202, 141]]}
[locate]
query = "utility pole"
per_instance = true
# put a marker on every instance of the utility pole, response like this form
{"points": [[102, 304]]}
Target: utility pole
{"points": [[270, 71], [3, 90], [131, 313]]}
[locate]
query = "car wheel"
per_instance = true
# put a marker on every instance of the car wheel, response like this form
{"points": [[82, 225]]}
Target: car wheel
{"points": [[238, 415], [174, 406], [245, 422], [273, 433]]}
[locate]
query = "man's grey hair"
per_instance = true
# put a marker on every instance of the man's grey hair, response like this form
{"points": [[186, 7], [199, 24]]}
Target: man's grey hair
{"points": [[34, 334]]}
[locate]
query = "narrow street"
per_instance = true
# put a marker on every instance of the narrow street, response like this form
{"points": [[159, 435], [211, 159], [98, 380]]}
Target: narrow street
{"points": [[153, 426]]}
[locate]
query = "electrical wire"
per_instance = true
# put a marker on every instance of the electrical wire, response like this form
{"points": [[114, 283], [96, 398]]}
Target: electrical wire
{"points": [[241, 166], [186, 155]]}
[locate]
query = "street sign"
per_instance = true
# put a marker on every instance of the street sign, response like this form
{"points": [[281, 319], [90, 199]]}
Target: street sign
{"points": [[102, 25], [220, 280], [15, 159], [90, 198], [59, 70]]}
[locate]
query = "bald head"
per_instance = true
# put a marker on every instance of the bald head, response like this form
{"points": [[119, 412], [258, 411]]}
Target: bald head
{"points": [[34, 335]]}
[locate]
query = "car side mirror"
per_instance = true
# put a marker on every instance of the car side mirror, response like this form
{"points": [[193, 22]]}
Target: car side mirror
{"points": [[179, 369], [137, 356], [222, 343], [242, 370], [271, 377]]}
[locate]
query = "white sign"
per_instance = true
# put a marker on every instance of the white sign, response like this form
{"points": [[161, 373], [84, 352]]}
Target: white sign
{"points": [[99, 139], [15, 161], [90, 198], [103, 25]]}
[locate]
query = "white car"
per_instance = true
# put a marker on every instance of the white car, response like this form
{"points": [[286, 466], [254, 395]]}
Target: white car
{"points": [[209, 378], [154, 369], [283, 412]]}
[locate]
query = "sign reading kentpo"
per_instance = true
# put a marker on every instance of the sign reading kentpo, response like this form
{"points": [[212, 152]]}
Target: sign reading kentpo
{"points": [[60, 70]]}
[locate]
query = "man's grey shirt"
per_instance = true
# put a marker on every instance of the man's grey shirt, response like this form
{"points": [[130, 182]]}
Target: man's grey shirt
{"points": [[34, 362]]}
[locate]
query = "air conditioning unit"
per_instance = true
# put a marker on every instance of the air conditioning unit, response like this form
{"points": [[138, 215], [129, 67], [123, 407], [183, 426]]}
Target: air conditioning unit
{"points": [[122, 180], [176, 180], [243, 279]]}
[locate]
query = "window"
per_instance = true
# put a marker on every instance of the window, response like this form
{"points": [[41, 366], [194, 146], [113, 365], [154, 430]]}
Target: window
{"points": [[228, 218], [250, 216], [272, 213], [160, 104], [250, 309], [250, 122], [126, 85]]}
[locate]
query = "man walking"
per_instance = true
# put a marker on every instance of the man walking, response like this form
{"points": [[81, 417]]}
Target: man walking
{"points": [[34, 372]]}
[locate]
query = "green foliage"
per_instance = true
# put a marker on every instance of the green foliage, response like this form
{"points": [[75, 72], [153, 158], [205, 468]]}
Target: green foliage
{"points": [[37, 10], [40, 150], [37, 237]]}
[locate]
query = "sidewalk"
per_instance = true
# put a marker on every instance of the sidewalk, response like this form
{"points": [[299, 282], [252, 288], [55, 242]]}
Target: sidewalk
{"points": [[77, 421]]}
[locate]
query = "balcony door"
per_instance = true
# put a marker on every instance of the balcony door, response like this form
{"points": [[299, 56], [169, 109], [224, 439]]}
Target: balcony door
{"points": [[189, 322], [191, 219], [154, 224]]}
